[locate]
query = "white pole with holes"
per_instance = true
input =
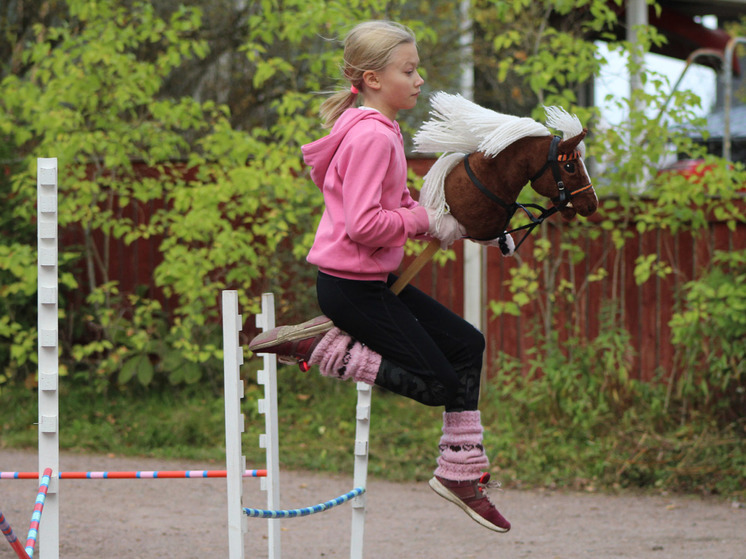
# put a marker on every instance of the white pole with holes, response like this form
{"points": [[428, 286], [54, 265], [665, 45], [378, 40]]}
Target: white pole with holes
{"points": [[48, 342]]}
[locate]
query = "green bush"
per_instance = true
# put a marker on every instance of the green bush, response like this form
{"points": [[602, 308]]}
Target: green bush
{"points": [[581, 422], [710, 336], [217, 197]]}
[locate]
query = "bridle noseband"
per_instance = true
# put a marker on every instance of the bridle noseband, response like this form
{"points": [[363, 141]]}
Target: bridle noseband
{"points": [[560, 201]]}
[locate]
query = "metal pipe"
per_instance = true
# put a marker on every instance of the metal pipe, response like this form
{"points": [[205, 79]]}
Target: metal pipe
{"points": [[689, 61], [728, 86]]}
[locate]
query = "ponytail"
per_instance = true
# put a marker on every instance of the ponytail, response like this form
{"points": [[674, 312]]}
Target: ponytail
{"points": [[335, 105]]}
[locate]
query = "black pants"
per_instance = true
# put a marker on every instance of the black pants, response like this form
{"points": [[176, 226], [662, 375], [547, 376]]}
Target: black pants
{"points": [[429, 353]]}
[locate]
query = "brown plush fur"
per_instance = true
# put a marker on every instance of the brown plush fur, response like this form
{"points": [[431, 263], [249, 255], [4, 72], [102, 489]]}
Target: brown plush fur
{"points": [[505, 175]]}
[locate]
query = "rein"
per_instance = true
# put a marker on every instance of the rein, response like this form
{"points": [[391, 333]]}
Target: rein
{"points": [[552, 163]]}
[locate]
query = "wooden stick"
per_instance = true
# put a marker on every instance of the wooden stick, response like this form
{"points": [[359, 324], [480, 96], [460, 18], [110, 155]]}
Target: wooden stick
{"points": [[413, 269]]}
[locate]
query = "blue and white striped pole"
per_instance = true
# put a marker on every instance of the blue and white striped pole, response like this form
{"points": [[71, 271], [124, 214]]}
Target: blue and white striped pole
{"points": [[295, 513]]}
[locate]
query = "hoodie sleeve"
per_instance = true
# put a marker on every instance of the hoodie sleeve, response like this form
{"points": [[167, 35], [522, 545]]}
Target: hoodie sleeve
{"points": [[377, 211]]}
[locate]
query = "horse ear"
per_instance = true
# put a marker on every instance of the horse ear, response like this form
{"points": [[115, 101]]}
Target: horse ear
{"points": [[569, 145]]}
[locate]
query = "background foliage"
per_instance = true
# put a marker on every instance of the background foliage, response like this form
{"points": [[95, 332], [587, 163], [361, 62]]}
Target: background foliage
{"points": [[194, 116]]}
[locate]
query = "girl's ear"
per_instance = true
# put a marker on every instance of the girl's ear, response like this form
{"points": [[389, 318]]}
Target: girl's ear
{"points": [[370, 79]]}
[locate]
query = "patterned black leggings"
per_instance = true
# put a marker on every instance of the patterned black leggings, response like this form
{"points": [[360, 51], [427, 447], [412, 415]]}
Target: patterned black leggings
{"points": [[431, 392], [429, 353]]}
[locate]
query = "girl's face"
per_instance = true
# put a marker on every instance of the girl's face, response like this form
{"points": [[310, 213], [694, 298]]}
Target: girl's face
{"points": [[397, 86]]}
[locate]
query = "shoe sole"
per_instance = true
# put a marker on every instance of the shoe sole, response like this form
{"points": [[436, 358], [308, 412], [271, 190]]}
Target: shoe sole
{"points": [[444, 492], [290, 333]]}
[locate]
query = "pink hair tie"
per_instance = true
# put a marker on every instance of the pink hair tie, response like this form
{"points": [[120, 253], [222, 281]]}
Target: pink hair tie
{"points": [[354, 90]]}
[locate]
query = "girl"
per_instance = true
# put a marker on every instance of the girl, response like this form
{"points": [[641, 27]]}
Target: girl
{"points": [[409, 344]]}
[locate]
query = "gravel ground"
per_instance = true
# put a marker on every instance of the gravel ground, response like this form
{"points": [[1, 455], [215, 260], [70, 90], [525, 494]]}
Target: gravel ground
{"points": [[187, 519]]}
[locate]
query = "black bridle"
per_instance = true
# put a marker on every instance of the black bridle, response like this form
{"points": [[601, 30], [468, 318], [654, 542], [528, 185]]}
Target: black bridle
{"points": [[552, 163], [560, 201]]}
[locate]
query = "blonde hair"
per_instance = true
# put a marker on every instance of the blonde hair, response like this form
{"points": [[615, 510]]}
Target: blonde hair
{"points": [[369, 46]]}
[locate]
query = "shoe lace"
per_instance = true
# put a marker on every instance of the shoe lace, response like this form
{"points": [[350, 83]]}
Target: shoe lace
{"points": [[485, 483]]}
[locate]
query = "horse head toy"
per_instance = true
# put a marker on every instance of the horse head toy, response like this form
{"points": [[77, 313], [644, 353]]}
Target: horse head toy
{"points": [[488, 157]]}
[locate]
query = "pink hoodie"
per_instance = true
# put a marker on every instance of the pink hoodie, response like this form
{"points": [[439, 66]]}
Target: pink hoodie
{"points": [[361, 169]]}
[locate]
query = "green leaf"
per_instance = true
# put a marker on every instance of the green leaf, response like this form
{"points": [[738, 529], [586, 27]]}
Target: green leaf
{"points": [[129, 369]]}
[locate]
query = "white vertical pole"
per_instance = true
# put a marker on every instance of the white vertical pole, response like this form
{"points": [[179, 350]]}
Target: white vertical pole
{"points": [[637, 15], [48, 338], [270, 439], [362, 437], [474, 254], [235, 462], [466, 40]]}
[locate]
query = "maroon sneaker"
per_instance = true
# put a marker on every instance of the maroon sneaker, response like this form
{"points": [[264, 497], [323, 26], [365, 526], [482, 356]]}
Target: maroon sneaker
{"points": [[471, 497], [293, 344]]}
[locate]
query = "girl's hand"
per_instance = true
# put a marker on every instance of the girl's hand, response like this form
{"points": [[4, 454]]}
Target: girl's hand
{"points": [[445, 228], [504, 242]]}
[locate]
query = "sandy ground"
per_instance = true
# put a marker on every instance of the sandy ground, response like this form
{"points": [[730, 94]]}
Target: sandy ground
{"points": [[187, 519]]}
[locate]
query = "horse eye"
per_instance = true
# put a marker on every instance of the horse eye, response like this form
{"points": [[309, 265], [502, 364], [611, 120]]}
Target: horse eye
{"points": [[570, 167]]}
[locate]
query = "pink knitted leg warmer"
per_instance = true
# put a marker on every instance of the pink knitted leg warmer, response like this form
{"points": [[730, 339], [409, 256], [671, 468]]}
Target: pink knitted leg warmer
{"points": [[341, 357], [462, 456]]}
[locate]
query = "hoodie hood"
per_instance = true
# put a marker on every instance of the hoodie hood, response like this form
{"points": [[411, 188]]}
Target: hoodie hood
{"points": [[319, 154]]}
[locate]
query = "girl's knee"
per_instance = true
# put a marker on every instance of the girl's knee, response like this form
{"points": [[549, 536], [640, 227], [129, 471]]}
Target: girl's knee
{"points": [[477, 342]]}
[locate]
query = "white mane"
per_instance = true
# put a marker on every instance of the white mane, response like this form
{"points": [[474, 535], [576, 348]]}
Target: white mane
{"points": [[459, 126]]}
